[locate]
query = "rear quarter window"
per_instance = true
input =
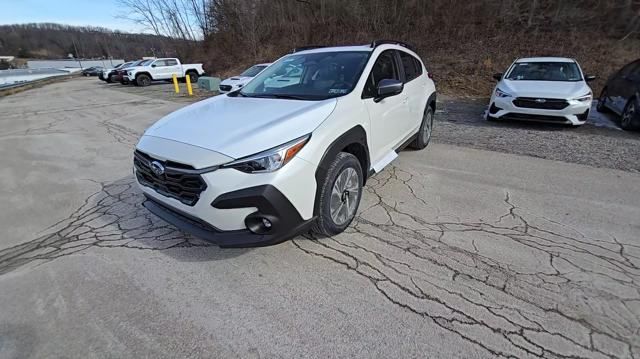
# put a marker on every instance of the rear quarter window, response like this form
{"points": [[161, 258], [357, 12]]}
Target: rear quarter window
{"points": [[412, 66]]}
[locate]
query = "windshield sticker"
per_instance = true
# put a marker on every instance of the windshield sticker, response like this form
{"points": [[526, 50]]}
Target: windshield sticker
{"points": [[337, 91]]}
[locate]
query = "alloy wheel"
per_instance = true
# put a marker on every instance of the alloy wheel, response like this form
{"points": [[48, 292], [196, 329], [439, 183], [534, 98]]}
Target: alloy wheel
{"points": [[344, 196], [627, 117], [428, 126]]}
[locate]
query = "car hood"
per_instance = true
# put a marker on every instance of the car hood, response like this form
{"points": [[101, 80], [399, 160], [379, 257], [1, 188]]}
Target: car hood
{"points": [[545, 89], [236, 80], [241, 126]]}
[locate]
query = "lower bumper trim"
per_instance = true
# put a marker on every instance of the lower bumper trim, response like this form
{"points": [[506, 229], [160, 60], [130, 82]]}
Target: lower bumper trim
{"points": [[228, 239]]}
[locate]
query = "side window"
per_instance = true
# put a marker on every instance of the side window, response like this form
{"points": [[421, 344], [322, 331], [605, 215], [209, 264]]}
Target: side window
{"points": [[411, 71], [171, 62], [160, 63], [418, 67], [383, 68]]}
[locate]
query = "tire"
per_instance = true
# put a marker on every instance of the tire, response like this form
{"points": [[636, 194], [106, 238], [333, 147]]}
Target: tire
{"points": [[124, 82], [143, 80], [601, 106], [426, 128], [343, 171], [193, 76], [110, 79], [629, 115]]}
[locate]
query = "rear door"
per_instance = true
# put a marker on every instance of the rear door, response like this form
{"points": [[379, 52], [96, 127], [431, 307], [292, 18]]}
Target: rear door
{"points": [[415, 88], [173, 68], [388, 117]]}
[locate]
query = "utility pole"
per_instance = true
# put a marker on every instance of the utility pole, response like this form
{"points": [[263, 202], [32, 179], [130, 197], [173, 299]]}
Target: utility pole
{"points": [[76, 50]]}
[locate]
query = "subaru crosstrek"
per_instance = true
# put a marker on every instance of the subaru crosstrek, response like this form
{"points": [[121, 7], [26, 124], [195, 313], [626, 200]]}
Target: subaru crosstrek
{"points": [[543, 89], [262, 164]]}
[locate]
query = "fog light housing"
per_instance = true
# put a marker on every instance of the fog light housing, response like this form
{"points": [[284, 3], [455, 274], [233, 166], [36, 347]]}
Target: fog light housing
{"points": [[260, 223]]}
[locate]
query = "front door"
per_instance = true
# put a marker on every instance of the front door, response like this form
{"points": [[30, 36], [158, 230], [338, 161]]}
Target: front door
{"points": [[388, 117]]}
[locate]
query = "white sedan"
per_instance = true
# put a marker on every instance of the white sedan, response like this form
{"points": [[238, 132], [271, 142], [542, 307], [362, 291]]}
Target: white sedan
{"points": [[543, 89], [236, 82]]}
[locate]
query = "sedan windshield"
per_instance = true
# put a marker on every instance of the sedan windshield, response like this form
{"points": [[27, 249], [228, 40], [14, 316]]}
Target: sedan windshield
{"points": [[312, 76], [252, 71], [545, 71]]}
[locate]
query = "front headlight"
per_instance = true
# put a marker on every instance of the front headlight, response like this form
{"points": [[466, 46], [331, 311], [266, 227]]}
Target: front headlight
{"points": [[584, 98], [500, 93], [269, 160]]}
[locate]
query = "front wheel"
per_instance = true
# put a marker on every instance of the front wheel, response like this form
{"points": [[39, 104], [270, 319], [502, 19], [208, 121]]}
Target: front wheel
{"points": [[629, 116], [340, 194], [602, 102], [424, 133], [143, 80]]}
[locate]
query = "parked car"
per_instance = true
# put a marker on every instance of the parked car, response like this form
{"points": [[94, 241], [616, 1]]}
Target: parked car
{"points": [[92, 71], [544, 89], [262, 164], [104, 74], [121, 74], [162, 69], [236, 82], [621, 94]]}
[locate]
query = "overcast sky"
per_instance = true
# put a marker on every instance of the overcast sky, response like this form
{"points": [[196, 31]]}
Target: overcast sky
{"points": [[102, 13]]}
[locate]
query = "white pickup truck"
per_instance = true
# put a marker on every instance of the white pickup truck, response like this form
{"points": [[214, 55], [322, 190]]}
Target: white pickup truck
{"points": [[162, 69]]}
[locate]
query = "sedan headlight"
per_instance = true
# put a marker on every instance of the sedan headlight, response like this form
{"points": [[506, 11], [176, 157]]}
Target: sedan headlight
{"points": [[584, 98], [500, 93], [269, 160]]}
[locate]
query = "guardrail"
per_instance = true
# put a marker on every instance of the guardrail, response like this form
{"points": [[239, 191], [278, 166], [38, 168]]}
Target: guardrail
{"points": [[7, 90]]}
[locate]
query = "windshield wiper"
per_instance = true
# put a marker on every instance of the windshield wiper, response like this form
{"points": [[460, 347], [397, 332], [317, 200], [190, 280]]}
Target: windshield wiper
{"points": [[281, 96]]}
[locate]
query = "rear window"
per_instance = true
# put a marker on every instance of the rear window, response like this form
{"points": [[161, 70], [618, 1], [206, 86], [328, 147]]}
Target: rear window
{"points": [[411, 65]]}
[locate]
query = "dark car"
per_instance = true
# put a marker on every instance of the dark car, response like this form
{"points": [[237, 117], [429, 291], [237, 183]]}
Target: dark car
{"points": [[92, 71], [123, 71], [114, 75], [105, 72], [621, 95]]}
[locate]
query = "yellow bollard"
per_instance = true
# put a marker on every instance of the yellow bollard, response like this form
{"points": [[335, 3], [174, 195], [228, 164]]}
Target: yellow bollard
{"points": [[175, 83], [189, 85]]}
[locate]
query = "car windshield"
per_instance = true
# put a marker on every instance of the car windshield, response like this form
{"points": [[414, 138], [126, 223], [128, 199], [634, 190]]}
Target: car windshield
{"points": [[545, 71], [144, 63], [253, 70], [312, 76]]}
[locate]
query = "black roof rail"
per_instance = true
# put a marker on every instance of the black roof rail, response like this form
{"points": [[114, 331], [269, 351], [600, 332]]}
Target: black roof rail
{"points": [[376, 43], [309, 47]]}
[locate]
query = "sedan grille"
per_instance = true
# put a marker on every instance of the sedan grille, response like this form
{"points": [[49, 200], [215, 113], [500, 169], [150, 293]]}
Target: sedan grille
{"points": [[178, 181], [541, 103], [225, 88]]}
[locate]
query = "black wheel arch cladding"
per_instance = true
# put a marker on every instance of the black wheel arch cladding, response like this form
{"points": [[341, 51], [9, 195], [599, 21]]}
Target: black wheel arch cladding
{"points": [[353, 141]]}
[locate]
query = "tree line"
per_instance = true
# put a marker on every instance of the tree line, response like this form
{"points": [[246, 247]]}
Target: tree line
{"points": [[55, 41]]}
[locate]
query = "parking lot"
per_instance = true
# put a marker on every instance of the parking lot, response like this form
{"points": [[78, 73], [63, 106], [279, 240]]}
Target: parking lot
{"points": [[499, 240]]}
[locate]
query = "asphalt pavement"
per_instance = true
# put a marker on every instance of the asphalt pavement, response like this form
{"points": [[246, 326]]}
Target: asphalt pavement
{"points": [[455, 252]]}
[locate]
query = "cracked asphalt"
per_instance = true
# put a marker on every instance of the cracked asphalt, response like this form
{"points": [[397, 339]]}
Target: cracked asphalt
{"points": [[455, 252]]}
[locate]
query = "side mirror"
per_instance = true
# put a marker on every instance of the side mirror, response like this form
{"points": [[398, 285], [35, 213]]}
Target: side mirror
{"points": [[589, 78], [388, 88], [498, 76], [154, 65]]}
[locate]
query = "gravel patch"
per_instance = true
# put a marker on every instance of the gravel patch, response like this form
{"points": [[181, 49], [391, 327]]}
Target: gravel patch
{"points": [[598, 143]]}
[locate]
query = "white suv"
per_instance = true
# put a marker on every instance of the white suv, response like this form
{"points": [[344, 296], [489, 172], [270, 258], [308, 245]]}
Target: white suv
{"points": [[262, 164], [544, 89]]}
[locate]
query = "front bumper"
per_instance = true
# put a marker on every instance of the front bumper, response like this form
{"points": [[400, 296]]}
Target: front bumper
{"points": [[575, 113], [272, 204], [234, 202]]}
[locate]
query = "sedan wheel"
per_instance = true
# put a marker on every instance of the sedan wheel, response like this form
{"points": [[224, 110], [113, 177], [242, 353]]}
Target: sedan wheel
{"points": [[628, 115]]}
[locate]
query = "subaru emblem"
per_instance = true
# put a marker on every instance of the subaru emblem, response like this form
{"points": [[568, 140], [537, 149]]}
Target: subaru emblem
{"points": [[157, 168]]}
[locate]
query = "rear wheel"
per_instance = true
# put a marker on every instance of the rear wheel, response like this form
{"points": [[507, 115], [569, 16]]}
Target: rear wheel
{"points": [[629, 115], [602, 102], [340, 195], [143, 80], [193, 76], [424, 133]]}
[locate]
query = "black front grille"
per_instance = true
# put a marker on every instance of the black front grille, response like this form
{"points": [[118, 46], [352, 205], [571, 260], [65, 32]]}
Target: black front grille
{"points": [[225, 88], [522, 116], [176, 182], [541, 103]]}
